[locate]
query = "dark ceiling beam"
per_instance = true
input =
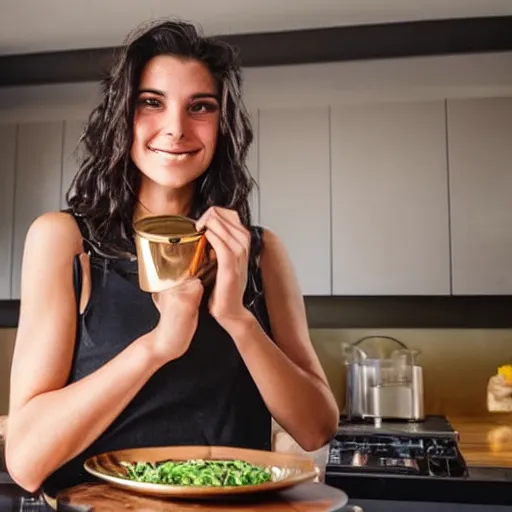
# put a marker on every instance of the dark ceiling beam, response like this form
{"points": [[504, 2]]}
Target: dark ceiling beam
{"points": [[381, 41]]}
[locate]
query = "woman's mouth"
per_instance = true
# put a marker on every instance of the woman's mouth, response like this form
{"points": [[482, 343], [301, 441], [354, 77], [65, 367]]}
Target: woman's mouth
{"points": [[177, 155]]}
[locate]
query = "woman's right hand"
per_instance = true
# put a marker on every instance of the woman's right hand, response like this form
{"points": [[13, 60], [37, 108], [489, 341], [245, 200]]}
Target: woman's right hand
{"points": [[179, 314]]}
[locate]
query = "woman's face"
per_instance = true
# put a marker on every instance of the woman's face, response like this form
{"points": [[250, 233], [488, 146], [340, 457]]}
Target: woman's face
{"points": [[176, 121]]}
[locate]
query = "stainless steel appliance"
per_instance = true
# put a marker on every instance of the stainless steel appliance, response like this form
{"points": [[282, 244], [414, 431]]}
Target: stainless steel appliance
{"points": [[383, 380], [411, 466], [426, 449]]}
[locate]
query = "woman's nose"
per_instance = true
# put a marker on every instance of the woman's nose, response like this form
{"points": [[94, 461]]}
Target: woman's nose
{"points": [[175, 123]]}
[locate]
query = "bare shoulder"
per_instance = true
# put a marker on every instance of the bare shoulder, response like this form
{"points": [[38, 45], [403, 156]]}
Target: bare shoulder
{"points": [[274, 255], [52, 241], [271, 238], [54, 233], [272, 245], [282, 289]]}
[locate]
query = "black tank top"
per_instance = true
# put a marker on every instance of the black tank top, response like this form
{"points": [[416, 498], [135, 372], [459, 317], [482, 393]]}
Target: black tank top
{"points": [[206, 397]]}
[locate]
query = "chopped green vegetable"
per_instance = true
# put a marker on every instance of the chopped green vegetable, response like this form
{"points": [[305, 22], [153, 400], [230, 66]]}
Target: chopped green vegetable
{"points": [[198, 473]]}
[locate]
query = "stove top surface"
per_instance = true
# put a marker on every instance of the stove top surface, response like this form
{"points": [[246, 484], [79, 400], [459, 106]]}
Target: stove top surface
{"points": [[427, 448], [437, 426]]}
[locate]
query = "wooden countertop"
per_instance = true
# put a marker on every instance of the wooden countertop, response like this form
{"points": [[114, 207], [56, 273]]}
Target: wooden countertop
{"points": [[485, 440]]}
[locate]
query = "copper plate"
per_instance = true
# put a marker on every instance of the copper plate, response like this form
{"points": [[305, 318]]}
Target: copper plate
{"points": [[288, 469]]}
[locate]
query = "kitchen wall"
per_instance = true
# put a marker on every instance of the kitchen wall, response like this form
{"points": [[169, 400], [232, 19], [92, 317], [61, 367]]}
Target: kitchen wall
{"points": [[386, 213], [457, 363], [6, 348]]}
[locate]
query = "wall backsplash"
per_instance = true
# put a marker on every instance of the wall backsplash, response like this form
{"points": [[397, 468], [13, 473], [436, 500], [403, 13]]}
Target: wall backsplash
{"points": [[457, 363], [6, 348]]}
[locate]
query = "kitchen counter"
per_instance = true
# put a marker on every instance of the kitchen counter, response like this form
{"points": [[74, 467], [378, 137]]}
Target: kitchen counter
{"points": [[486, 445], [485, 441]]}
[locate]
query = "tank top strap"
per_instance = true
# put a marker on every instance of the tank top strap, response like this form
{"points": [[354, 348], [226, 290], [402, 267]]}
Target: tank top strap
{"points": [[84, 231], [254, 298], [95, 259]]}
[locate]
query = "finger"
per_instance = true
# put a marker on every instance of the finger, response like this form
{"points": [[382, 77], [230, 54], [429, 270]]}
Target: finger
{"points": [[236, 241], [223, 252], [201, 222], [188, 285], [184, 286], [232, 218], [226, 213], [195, 289], [232, 222], [207, 273]]}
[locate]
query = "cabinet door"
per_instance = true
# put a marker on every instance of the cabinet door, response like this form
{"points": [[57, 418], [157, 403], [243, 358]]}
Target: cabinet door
{"points": [[7, 167], [253, 166], [38, 183], [294, 190], [480, 161], [390, 199], [72, 132]]}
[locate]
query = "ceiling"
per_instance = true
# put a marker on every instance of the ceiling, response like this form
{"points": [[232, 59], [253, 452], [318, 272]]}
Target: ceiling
{"points": [[28, 26]]}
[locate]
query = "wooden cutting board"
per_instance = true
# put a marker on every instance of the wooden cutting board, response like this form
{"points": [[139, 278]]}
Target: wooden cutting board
{"points": [[308, 497]]}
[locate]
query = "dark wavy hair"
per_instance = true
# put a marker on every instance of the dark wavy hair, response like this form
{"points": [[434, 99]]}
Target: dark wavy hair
{"points": [[105, 190]]}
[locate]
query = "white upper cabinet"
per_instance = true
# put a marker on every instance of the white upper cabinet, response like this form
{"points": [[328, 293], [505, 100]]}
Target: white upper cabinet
{"points": [[480, 162], [374, 199], [38, 183], [295, 189], [7, 180], [390, 226], [72, 132]]}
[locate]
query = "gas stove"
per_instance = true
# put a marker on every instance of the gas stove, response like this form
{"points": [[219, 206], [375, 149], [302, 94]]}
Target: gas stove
{"points": [[423, 449]]}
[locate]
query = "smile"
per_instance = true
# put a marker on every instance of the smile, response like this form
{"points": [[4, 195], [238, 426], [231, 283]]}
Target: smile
{"points": [[174, 155]]}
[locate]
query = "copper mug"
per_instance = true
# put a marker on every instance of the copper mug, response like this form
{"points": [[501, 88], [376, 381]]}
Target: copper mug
{"points": [[170, 250]]}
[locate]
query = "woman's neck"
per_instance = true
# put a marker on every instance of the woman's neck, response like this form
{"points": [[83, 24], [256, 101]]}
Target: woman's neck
{"points": [[155, 200]]}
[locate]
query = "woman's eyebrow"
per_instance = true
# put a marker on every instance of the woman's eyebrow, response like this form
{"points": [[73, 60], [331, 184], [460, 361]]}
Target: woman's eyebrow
{"points": [[196, 96], [205, 95], [152, 91]]}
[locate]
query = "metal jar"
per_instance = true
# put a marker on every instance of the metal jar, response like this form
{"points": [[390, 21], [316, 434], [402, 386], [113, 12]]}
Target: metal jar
{"points": [[170, 250]]}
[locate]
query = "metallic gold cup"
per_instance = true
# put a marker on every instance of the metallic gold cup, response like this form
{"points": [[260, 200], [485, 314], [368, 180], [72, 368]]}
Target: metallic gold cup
{"points": [[170, 250]]}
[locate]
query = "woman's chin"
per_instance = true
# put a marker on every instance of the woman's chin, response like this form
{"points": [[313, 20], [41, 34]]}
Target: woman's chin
{"points": [[175, 179]]}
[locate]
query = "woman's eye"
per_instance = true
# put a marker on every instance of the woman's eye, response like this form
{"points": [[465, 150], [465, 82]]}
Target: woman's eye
{"points": [[203, 107], [150, 102]]}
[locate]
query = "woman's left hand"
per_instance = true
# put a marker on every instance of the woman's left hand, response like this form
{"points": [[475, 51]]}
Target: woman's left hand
{"points": [[231, 242]]}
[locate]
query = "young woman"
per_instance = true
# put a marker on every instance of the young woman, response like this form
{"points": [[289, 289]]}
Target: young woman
{"points": [[187, 366]]}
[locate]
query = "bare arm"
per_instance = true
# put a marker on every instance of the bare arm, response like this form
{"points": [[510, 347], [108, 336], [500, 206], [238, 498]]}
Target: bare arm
{"points": [[49, 422], [287, 371]]}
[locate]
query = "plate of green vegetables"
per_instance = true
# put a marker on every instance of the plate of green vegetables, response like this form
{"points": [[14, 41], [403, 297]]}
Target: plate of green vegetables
{"points": [[201, 471]]}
